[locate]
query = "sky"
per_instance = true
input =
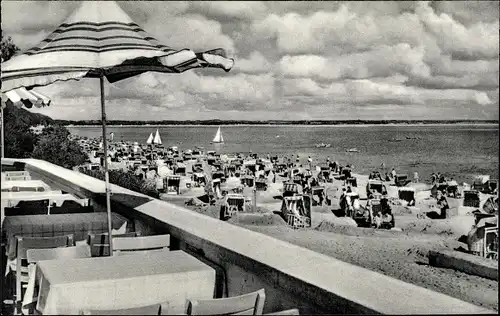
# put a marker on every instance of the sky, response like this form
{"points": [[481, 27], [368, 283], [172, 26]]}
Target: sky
{"points": [[301, 60]]}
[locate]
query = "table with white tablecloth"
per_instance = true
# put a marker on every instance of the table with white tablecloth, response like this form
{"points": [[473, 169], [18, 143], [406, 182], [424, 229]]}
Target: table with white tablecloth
{"points": [[103, 283]]}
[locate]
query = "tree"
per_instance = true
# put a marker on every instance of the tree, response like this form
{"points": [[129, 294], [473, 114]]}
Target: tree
{"points": [[54, 146], [8, 48]]}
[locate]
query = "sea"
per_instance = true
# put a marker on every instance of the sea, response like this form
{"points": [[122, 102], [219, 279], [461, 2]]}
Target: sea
{"points": [[458, 151]]}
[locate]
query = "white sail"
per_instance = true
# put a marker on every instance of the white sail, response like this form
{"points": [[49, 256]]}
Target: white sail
{"points": [[150, 139], [218, 137], [157, 139]]}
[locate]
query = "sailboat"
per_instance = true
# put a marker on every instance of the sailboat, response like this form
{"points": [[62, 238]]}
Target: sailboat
{"points": [[150, 139], [218, 137], [157, 139]]}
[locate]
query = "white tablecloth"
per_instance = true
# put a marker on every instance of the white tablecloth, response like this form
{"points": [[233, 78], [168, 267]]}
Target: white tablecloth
{"points": [[166, 277]]}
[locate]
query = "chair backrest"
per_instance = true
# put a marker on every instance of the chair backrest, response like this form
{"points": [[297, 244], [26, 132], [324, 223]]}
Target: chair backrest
{"points": [[293, 311], [143, 310], [141, 243], [73, 209], [99, 243], [25, 243], [74, 252], [247, 304], [16, 211]]}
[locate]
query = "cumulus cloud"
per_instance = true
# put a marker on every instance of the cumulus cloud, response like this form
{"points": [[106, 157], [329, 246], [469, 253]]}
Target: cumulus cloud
{"points": [[193, 31], [255, 63], [380, 62], [245, 10], [369, 92], [478, 41], [338, 31], [295, 60]]}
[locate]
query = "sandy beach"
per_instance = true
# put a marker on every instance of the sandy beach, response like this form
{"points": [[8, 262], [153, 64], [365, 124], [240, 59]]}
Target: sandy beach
{"points": [[400, 253]]}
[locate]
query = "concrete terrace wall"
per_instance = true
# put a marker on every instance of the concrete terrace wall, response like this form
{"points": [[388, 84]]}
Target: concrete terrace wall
{"points": [[292, 276]]}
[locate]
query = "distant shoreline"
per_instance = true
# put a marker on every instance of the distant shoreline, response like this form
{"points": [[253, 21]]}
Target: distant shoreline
{"points": [[308, 125]]}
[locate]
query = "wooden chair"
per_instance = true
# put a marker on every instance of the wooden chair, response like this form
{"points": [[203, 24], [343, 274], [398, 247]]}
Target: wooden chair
{"points": [[293, 311], [247, 304], [26, 243], [99, 243], [144, 243], [143, 310]]}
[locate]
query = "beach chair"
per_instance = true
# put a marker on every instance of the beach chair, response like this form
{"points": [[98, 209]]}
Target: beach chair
{"points": [[248, 181], [471, 198], [180, 169], [480, 182], [490, 244], [291, 189], [375, 189], [154, 309], [261, 185], [321, 194], [401, 180], [172, 184], [452, 189], [346, 173], [490, 187], [408, 195], [491, 205], [296, 210], [219, 175], [136, 245], [233, 203], [247, 304], [24, 244], [352, 181]]}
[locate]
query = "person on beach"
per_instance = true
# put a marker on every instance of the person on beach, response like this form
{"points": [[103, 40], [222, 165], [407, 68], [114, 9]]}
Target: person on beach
{"points": [[393, 173], [415, 177], [442, 203], [433, 178], [442, 179]]}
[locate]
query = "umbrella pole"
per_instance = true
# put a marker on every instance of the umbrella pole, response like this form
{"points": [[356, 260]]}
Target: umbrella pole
{"points": [[106, 173], [3, 135]]}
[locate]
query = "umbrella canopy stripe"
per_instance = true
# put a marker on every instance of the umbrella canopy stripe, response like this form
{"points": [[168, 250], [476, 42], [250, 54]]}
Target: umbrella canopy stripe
{"points": [[93, 49], [21, 96]]}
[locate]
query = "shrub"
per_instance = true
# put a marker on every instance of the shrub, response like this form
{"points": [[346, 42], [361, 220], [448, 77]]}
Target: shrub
{"points": [[126, 180], [54, 146]]}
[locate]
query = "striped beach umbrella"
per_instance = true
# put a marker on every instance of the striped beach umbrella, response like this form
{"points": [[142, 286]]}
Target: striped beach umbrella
{"points": [[99, 40], [19, 97]]}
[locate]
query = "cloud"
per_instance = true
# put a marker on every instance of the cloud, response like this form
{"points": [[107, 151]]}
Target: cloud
{"points": [[383, 61], [255, 63], [309, 87], [341, 31], [369, 92], [480, 40], [191, 31], [245, 10]]}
